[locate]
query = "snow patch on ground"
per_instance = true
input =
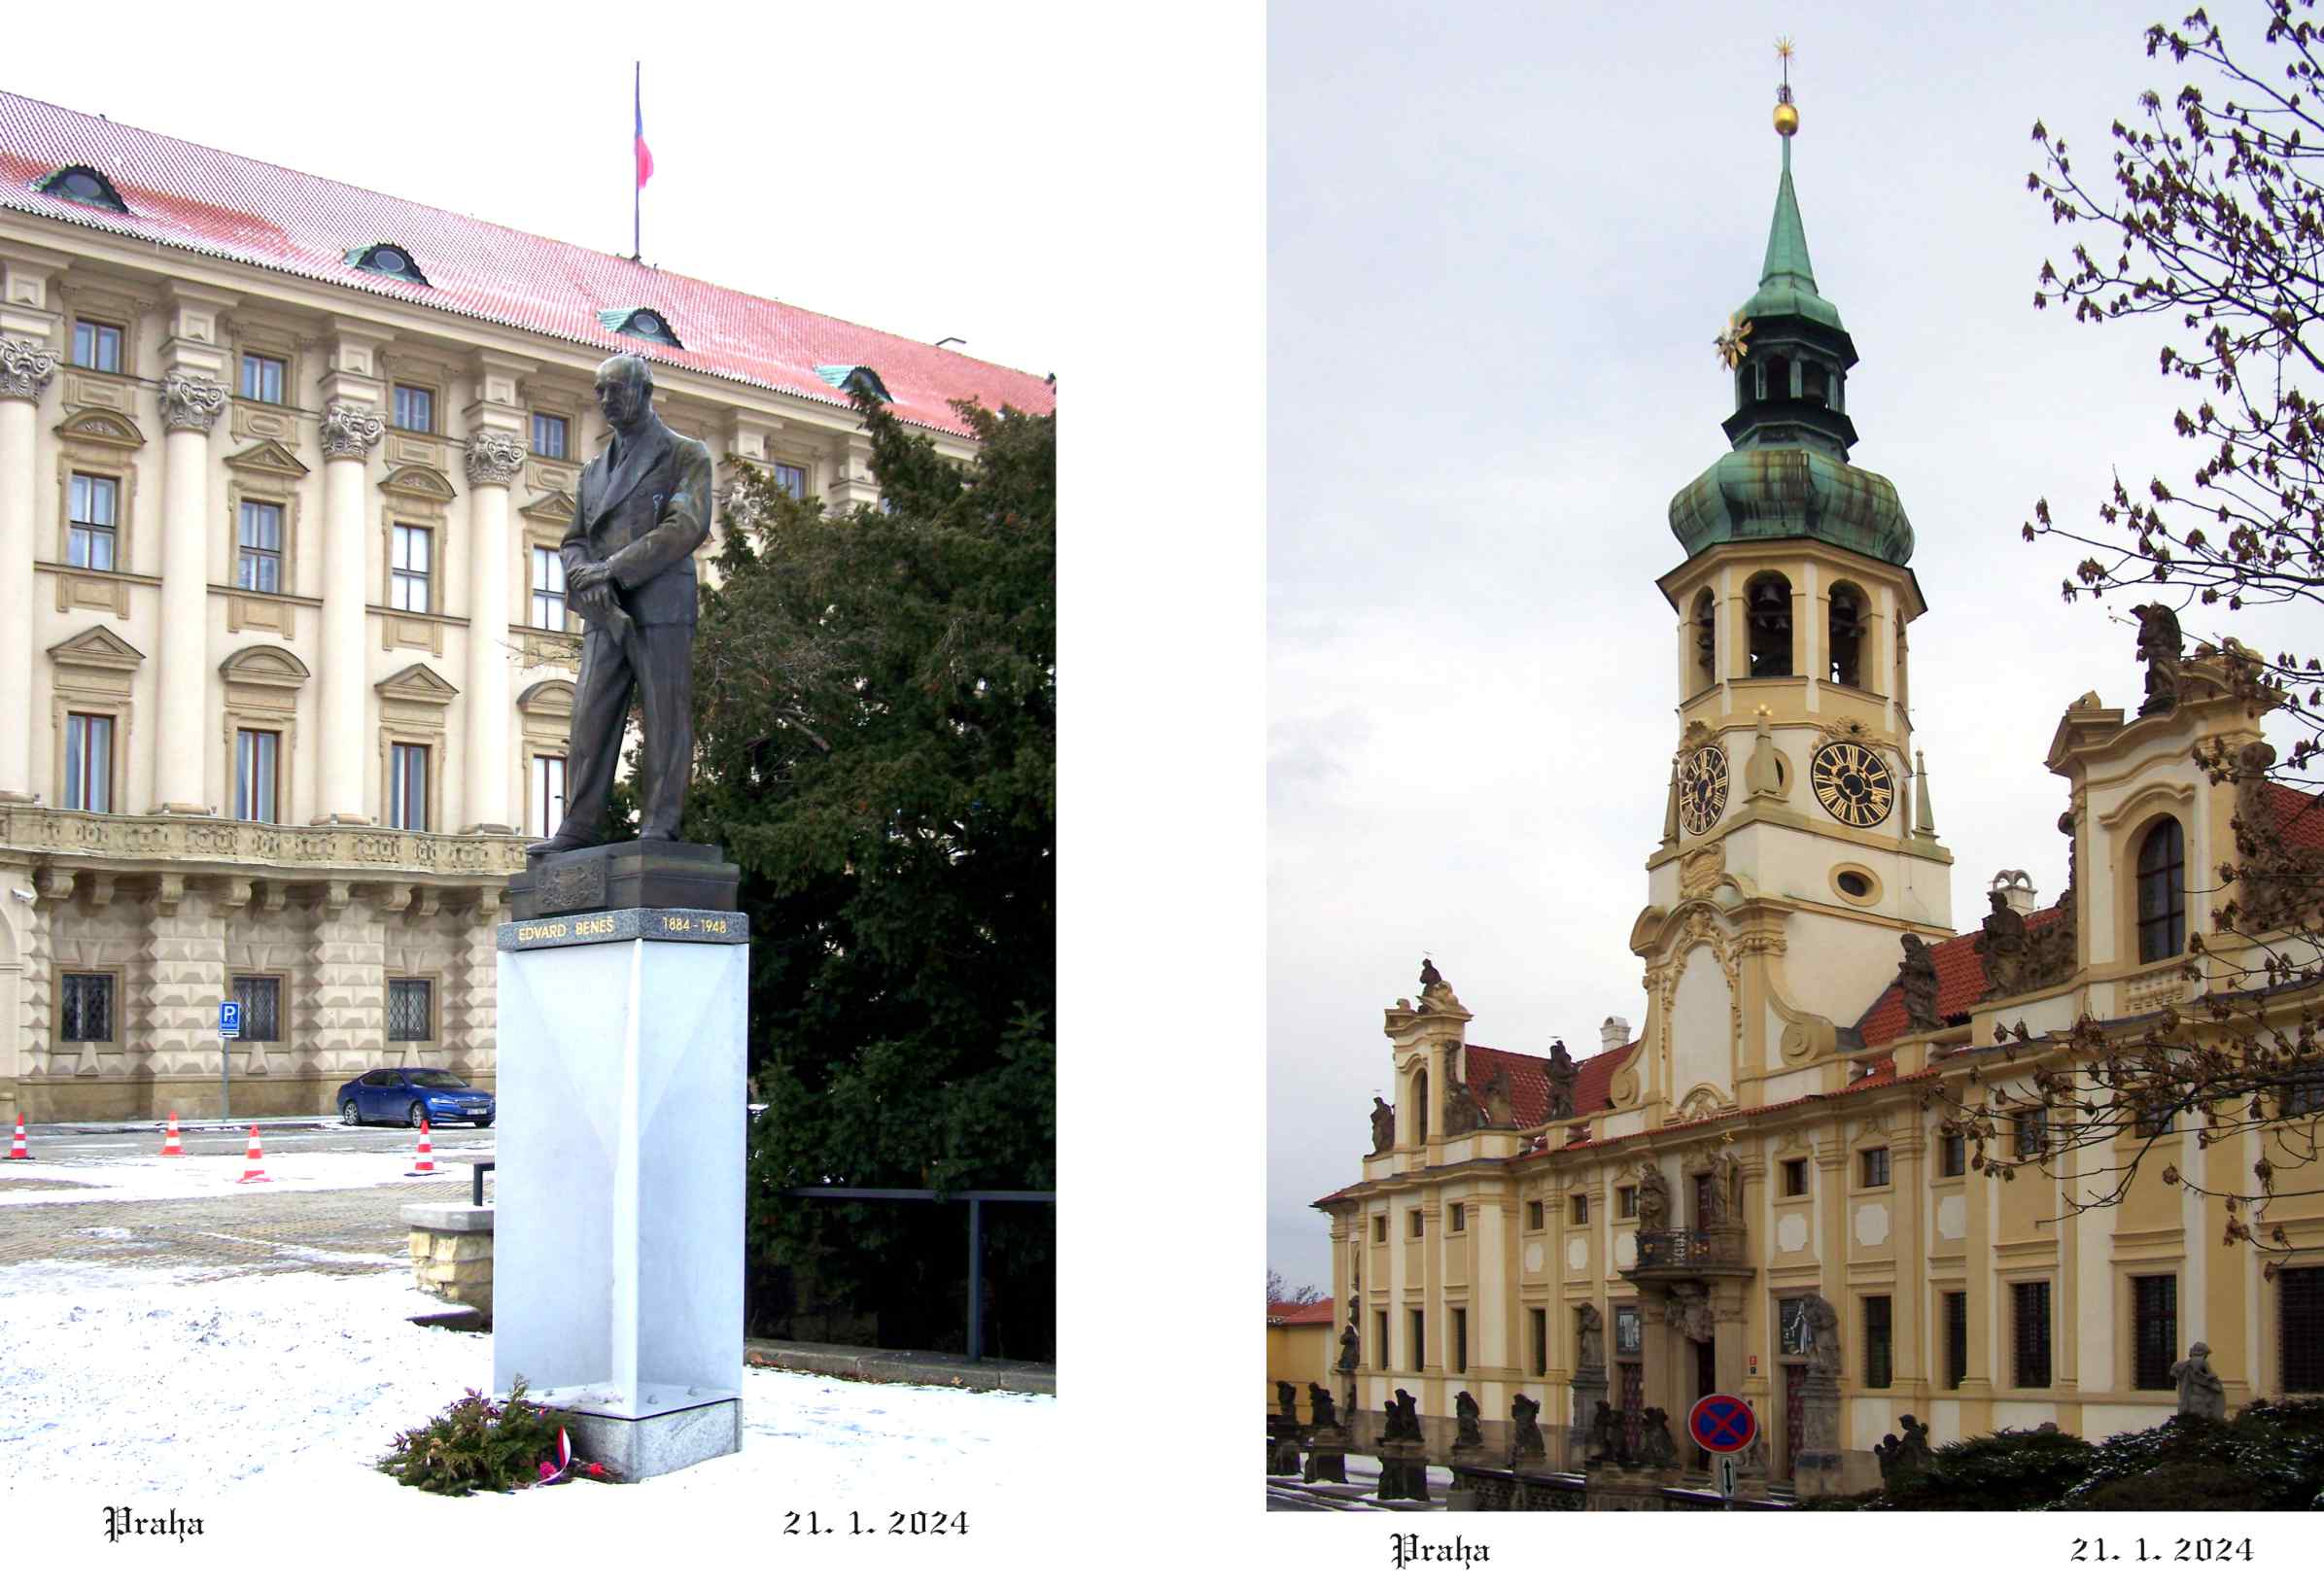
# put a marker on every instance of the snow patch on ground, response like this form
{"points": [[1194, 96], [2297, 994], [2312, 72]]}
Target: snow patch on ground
{"points": [[174, 1178]]}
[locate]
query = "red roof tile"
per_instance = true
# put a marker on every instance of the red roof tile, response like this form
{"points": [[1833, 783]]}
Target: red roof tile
{"points": [[185, 196], [1290, 1314], [1961, 983], [2298, 816], [1529, 1080]]}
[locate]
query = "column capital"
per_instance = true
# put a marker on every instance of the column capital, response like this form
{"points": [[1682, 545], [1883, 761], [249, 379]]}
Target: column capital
{"points": [[494, 457], [350, 432], [25, 368], [190, 403]]}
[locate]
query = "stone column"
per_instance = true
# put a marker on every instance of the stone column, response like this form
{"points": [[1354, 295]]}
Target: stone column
{"points": [[349, 432], [494, 457], [190, 406], [25, 371]]}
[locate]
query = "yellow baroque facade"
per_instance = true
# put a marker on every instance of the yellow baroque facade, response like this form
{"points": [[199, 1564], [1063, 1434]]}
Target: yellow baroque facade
{"points": [[1756, 1195], [283, 465]]}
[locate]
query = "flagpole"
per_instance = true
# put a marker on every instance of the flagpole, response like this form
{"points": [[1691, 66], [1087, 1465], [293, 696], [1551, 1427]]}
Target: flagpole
{"points": [[636, 188]]}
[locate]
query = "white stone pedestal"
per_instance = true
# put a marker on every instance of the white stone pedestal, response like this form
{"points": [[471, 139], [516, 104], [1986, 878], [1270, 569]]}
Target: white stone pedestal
{"points": [[617, 1282]]}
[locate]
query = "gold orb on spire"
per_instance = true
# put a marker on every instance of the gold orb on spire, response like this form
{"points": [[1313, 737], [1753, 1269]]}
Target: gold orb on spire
{"points": [[1786, 114], [1787, 119]]}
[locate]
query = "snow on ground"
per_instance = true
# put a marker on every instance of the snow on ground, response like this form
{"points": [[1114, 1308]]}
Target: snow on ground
{"points": [[169, 1178], [151, 1390]]}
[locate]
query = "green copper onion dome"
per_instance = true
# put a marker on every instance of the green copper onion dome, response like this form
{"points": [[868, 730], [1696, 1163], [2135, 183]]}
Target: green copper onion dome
{"points": [[1788, 475]]}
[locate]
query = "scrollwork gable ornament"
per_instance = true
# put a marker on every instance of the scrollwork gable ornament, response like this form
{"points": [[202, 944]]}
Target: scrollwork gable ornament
{"points": [[494, 457], [25, 368], [350, 432], [190, 403]]}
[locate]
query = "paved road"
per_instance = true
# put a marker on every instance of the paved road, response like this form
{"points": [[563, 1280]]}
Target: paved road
{"points": [[326, 1230]]}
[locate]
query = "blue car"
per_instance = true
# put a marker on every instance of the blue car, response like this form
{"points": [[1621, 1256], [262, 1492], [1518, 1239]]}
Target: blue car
{"points": [[389, 1096]]}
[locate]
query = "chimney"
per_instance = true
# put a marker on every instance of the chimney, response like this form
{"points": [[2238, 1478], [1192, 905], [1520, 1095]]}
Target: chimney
{"points": [[2017, 887], [1616, 1032]]}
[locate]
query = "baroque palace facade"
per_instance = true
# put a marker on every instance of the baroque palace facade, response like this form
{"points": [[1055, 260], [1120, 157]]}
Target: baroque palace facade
{"points": [[283, 469], [1750, 1196]]}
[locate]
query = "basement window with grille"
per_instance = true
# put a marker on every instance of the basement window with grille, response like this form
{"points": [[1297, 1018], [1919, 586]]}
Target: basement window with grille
{"points": [[82, 184], [388, 259]]}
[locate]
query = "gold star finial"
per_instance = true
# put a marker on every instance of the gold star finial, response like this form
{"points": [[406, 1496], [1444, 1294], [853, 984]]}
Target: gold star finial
{"points": [[1786, 114]]}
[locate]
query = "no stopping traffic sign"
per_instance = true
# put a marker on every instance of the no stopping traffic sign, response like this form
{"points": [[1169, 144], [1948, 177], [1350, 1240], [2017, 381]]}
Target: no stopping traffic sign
{"points": [[1722, 1424]]}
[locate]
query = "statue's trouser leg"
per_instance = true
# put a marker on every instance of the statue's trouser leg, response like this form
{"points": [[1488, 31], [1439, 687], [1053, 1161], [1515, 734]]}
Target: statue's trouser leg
{"points": [[666, 663], [601, 704]]}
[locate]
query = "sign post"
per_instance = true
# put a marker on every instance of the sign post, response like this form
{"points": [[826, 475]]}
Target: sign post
{"points": [[229, 1026], [1727, 1479], [1724, 1426]]}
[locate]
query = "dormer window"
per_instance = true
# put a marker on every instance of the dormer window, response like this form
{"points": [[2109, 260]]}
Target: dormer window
{"points": [[855, 377], [387, 260], [642, 323], [82, 185]]}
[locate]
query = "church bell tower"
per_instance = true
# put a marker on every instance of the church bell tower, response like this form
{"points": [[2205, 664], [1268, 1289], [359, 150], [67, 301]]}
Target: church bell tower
{"points": [[1798, 842]]}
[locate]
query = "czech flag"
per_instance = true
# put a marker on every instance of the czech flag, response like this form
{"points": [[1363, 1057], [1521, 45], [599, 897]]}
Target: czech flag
{"points": [[644, 154]]}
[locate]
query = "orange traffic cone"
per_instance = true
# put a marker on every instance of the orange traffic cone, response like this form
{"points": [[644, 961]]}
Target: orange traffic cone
{"points": [[427, 1163], [17, 1153], [169, 1143], [253, 1167]]}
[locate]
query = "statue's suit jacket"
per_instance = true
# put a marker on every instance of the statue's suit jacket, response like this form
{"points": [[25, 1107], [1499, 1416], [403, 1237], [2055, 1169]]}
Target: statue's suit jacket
{"points": [[645, 521]]}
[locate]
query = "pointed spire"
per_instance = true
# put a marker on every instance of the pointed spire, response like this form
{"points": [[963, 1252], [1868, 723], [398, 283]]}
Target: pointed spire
{"points": [[1670, 810], [1923, 822], [1786, 263]]}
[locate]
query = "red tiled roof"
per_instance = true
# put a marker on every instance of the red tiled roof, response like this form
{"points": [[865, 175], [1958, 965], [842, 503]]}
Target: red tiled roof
{"points": [[1529, 1080], [1290, 1314], [2298, 816], [1961, 983], [185, 196]]}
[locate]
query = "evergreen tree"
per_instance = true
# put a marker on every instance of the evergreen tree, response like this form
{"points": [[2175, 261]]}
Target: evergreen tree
{"points": [[875, 714]]}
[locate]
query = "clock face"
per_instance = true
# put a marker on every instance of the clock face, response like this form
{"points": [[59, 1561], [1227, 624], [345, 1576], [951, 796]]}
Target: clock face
{"points": [[1851, 781], [1703, 788]]}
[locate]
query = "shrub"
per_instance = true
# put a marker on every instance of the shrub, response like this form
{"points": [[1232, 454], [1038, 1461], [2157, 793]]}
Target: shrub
{"points": [[2270, 1456], [477, 1443], [2008, 1470]]}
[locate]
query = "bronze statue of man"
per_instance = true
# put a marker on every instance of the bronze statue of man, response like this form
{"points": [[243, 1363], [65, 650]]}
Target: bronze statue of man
{"points": [[644, 508]]}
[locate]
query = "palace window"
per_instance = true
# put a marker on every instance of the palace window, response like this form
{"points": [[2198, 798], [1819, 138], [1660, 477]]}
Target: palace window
{"points": [[2154, 1330], [2303, 1094], [1953, 1154], [1795, 1176], [89, 763], [256, 756], [261, 537], [2161, 892], [411, 1010], [262, 378], [1419, 1331], [261, 1000], [2033, 1133], [791, 480], [2300, 1299], [408, 569], [82, 185], [97, 346], [95, 522], [548, 588], [1379, 1340], [1379, 1228], [548, 794], [1413, 1227], [1847, 629], [1460, 1216], [1625, 1201], [2030, 1305], [415, 409], [1956, 1336], [548, 435], [1580, 1209], [1878, 1359], [85, 1007], [1460, 1339], [1536, 1215], [1540, 1318], [407, 787], [1768, 604], [1875, 1160], [2154, 1119]]}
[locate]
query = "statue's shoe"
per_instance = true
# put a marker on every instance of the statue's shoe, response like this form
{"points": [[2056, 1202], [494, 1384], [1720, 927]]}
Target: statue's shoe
{"points": [[553, 846]]}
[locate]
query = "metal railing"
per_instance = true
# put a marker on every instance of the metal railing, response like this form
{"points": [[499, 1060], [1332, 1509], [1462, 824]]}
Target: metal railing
{"points": [[1690, 1248], [976, 1200]]}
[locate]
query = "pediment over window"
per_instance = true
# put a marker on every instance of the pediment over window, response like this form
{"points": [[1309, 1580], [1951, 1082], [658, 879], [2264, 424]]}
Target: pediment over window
{"points": [[420, 480], [552, 698], [104, 427], [269, 458], [557, 508], [267, 666], [98, 647], [417, 685]]}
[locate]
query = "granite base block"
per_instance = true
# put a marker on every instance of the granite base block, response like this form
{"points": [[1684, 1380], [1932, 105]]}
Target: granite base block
{"points": [[653, 1446], [637, 875]]}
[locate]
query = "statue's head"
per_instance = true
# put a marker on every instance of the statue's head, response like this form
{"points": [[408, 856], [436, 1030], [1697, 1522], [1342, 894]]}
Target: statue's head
{"points": [[624, 389]]}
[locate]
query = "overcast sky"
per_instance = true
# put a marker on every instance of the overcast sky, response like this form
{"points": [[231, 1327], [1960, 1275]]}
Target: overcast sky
{"points": [[1499, 249]]}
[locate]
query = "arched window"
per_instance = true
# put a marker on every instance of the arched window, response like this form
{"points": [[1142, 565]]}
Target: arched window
{"points": [[1848, 628], [1420, 1118], [1778, 378], [1706, 641], [1768, 602], [2161, 892]]}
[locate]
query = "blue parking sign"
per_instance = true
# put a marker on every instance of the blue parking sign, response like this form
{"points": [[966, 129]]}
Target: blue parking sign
{"points": [[229, 1019]]}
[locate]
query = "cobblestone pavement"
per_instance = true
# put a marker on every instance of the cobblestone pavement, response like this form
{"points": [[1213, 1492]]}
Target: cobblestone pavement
{"points": [[278, 1232]]}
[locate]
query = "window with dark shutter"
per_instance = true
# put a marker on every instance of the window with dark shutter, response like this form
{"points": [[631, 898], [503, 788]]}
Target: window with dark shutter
{"points": [[2154, 1330], [1879, 1362], [1419, 1343], [2161, 893], [1540, 1340], [2300, 1293], [1956, 1337], [1460, 1339], [2032, 1329], [1952, 1154]]}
